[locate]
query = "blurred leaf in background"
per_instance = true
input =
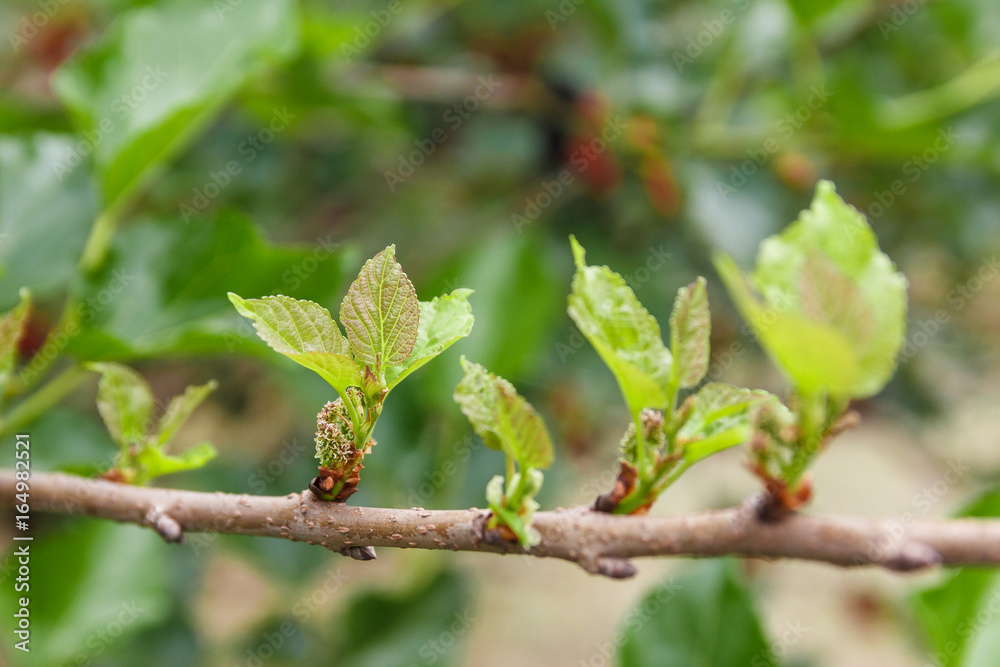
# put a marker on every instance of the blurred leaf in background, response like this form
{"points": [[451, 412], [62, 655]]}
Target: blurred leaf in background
{"points": [[960, 617], [116, 583], [163, 290], [656, 133], [703, 617], [426, 625], [148, 88], [44, 216]]}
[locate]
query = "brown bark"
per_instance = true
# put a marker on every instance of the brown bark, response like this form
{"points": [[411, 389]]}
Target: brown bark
{"points": [[598, 542]]}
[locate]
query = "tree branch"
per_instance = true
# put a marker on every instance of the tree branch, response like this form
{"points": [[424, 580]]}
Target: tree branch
{"points": [[600, 543]]}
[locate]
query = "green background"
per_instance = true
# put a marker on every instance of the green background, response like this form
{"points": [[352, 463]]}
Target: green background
{"points": [[270, 147]]}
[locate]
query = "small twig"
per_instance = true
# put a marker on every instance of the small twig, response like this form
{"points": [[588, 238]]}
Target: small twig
{"points": [[447, 85], [359, 553], [42, 400], [164, 525]]}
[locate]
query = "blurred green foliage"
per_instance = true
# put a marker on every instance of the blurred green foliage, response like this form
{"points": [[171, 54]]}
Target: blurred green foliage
{"points": [[285, 141], [960, 615], [705, 617]]}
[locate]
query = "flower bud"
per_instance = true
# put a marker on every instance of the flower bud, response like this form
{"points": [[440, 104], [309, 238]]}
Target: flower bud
{"points": [[335, 436], [535, 479], [494, 491]]}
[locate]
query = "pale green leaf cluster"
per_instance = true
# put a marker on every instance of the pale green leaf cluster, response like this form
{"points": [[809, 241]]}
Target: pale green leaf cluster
{"points": [[506, 513], [831, 309], [502, 418], [506, 421], [628, 339], [125, 403], [719, 416], [179, 409], [387, 334]]}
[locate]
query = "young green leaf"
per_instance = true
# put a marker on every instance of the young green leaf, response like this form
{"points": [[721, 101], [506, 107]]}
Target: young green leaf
{"points": [[705, 616], [624, 334], [812, 355], [46, 214], [690, 328], [291, 326], [833, 307], [180, 408], [125, 403], [11, 330], [494, 493], [502, 418], [154, 462], [182, 87], [305, 333], [519, 525], [443, 320], [944, 611], [719, 416], [381, 312], [476, 396]]}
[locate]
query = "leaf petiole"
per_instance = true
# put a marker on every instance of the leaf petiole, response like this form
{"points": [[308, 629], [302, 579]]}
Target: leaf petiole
{"points": [[813, 416], [515, 500]]}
